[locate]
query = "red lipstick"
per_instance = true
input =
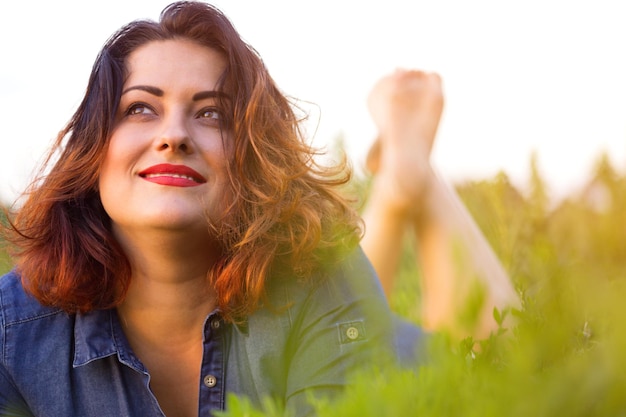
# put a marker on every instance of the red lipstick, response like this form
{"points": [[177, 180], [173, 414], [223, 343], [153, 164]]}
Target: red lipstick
{"points": [[173, 175]]}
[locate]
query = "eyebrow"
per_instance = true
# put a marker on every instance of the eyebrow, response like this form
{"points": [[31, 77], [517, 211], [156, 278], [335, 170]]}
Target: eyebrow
{"points": [[202, 95], [155, 91]]}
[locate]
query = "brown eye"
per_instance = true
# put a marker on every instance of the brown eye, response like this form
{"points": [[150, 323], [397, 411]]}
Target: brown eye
{"points": [[210, 114], [138, 109]]}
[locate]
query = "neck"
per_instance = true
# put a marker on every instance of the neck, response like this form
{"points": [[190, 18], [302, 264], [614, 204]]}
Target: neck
{"points": [[173, 311], [169, 295], [167, 254]]}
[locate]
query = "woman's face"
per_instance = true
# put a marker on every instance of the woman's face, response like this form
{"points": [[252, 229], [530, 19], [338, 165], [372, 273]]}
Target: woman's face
{"points": [[165, 166]]}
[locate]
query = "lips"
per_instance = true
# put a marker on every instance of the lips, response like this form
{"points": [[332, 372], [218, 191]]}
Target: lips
{"points": [[172, 175]]}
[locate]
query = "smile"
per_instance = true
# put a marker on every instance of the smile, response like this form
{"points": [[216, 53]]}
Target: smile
{"points": [[150, 176], [172, 175]]}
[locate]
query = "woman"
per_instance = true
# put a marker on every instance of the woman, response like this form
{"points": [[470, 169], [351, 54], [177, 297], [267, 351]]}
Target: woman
{"points": [[183, 244]]}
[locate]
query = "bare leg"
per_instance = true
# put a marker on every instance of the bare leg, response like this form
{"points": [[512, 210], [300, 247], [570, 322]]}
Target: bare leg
{"points": [[406, 107], [408, 195]]}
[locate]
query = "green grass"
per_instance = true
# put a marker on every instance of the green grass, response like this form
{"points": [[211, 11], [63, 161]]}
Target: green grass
{"points": [[5, 263], [564, 357]]}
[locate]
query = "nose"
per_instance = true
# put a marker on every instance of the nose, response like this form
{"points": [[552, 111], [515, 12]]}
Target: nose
{"points": [[174, 135]]}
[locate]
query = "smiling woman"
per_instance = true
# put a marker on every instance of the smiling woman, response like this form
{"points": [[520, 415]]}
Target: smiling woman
{"points": [[166, 161], [184, 244]]}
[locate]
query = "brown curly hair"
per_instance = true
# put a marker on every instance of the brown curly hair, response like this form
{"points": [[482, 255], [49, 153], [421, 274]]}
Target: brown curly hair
{"points": [[287, 218]]}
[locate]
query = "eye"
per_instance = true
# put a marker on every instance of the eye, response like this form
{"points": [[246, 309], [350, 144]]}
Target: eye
{"points": [[209, 113], [138, 109], [211, 117]]}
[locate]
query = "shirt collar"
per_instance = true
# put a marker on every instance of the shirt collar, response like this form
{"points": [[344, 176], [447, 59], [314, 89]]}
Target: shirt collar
{"points": [[97, 335]]}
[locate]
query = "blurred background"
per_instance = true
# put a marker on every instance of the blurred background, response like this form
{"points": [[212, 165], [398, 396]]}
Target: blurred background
{"points": [[533, 137], [543, 76]]}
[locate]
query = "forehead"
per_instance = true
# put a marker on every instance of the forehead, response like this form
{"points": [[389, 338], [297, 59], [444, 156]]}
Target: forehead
{"points": [[176, 62]]}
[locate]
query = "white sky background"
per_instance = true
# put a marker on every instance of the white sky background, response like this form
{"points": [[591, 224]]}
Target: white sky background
{"points": [[544, 75]]}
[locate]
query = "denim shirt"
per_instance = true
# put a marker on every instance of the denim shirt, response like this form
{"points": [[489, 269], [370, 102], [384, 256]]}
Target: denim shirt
{"points": [[306, 339]]}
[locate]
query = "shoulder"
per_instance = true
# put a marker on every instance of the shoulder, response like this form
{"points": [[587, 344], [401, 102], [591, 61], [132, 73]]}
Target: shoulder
{"points": [[356, 276], [341, 296], [351, 281], [333, 324], [348, 292], [16, 305]]}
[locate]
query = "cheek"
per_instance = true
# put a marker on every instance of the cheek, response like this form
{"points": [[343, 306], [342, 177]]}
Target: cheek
{"points": [[229, 195], [107, 169], [107, 181], [218, 157], [119, 153], [115, 164], [217, 154]]}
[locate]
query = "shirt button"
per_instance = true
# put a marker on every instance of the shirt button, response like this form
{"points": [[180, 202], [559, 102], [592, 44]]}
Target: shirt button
{"points": [[352, 333], [215, 324], [210, 381]]}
